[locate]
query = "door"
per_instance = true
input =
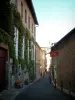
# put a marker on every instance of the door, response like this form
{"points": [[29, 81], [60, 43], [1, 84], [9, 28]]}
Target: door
{"points": [[3, 56]]}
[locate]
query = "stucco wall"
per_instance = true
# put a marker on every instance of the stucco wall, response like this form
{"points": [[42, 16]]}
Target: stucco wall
{"points": [[25, 7], [37, 61], [42, 61], [66, 64]]}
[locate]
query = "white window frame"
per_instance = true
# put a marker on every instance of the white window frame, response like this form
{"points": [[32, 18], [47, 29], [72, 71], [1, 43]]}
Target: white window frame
{"points": [[16, 37], [23, 48], [28, 51]]}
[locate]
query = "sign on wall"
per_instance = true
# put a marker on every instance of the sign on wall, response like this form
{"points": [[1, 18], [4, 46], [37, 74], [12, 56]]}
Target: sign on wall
{"points": [[53, 54]]}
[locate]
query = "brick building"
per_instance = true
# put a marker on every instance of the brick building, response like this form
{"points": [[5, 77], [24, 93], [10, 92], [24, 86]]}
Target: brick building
{"points": [[63, 66]]}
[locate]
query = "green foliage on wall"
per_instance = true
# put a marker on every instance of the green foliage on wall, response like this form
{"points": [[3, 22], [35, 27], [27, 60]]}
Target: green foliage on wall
{"points": [[4, 37], [31, 70], [14, 20], [30, 50], [26, 52], [18, 23], [27, 38]]}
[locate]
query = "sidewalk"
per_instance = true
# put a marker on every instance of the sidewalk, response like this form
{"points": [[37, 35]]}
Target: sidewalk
{"points": [[43, 90], [11, 94]]}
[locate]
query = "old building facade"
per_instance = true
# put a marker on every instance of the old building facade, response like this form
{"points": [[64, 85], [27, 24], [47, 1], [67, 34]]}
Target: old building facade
{"points": [[29, 20], [43, 62], [63, 66], [38, 48], [17, 41]]}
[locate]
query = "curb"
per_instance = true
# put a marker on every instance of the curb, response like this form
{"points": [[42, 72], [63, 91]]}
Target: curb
{"points": [[64, 90], [18, 91], [28, 86], [12, 95], [34, 81]]}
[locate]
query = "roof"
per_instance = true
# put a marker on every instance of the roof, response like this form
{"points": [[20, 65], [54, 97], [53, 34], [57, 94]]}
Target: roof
{"points": [[64, 39], [38, 45], [31, 7]]}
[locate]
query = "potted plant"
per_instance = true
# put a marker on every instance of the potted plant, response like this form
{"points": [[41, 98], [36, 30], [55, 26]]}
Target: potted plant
{"points": [[18, 83]]}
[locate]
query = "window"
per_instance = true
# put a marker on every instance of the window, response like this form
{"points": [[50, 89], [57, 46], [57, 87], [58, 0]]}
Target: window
{"points": [[34, 31], [28, 51], [25, 16], [21, 9], [32, 28], [16, 3], [16, 41], [23, 48], [29, 22]]}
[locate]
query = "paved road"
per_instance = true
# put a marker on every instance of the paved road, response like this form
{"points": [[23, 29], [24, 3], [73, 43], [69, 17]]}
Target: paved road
{"points": [[42, 90]]}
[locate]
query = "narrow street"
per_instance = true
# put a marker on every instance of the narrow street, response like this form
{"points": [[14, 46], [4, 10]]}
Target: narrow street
{"points": [[42, 90]]}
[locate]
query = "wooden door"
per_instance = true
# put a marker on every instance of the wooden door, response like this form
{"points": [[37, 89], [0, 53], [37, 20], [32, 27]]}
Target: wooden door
{"points": [[3, 56]]}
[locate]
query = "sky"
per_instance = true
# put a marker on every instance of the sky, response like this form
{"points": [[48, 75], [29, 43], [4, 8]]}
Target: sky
{"points": [[56, 18]]}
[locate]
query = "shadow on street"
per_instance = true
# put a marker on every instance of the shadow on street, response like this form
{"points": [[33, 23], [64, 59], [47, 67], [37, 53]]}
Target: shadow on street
{"points": [[42, 90]]}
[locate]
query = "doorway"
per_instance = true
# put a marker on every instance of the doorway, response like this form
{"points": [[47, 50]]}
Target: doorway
{"points": [[3, 58]]}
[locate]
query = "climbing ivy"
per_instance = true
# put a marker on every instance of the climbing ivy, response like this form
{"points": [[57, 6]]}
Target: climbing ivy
{"points": [[7, 37], [27, 38], [4, 37], [30, 50], [18, 23]]}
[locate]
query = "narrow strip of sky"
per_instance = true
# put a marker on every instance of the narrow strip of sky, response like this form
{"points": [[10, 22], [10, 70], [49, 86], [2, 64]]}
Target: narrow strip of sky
{"points": [[56, 18]]}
